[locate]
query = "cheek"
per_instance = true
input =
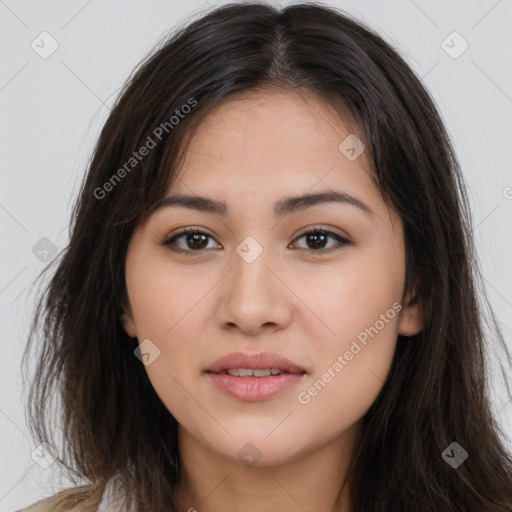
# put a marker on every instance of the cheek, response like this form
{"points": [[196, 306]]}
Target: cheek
{"points": [[167, 313], [350, 375], [341, 302], [360, 306], [168, 308], [161, 296]]}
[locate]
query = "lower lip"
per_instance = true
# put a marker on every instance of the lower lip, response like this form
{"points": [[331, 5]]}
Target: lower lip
{"points": [[254, 388]]}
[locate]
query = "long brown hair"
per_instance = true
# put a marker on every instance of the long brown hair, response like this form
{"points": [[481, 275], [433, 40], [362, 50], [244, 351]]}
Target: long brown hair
{"points": [[115, 428]]}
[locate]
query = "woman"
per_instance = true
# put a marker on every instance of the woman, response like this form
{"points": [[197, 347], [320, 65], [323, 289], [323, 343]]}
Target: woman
{"points": [[211, 348]]}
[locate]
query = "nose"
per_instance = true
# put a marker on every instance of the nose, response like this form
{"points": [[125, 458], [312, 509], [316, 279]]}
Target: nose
{"points": [[253, 299]]}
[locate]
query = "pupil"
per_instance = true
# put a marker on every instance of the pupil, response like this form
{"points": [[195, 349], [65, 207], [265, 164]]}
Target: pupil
{"points": [[316, 236], [195, 240]]}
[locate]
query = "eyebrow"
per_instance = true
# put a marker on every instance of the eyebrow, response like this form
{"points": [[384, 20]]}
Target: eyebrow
{"points": [[284, 206]]}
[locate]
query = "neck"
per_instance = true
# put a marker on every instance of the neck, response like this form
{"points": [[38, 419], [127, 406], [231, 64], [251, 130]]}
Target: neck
{"points": [[211, 482]]}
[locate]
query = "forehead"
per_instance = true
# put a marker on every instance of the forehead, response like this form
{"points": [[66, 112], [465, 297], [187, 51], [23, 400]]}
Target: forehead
{"points": [[267, 142]]}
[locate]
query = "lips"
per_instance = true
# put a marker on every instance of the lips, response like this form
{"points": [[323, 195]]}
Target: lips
{"points": [[259, 361], [243, 376]]}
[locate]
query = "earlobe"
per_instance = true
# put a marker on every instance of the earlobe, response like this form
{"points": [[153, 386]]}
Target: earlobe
{"points": [[412, 318], [128, 322]]}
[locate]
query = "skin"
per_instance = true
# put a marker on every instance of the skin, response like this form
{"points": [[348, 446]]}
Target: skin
{"points": [[251, 151]]}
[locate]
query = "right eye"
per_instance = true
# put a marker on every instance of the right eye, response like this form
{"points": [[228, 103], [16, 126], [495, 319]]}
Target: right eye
{"points": [[193, 241]]}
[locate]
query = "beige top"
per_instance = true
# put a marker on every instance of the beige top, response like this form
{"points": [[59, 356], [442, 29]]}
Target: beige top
{"points": [[109, 502]]}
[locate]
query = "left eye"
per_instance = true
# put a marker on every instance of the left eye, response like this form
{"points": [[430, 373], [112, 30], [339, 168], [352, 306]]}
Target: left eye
{"points": [[195, 240], [320, 236]]}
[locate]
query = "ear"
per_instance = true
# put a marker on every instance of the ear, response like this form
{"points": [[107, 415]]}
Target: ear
{"points": [[128, 322], [412, 316]]}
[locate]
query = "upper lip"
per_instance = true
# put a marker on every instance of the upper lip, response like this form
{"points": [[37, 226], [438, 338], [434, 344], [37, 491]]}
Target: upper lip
{"points": [[258, 361]]}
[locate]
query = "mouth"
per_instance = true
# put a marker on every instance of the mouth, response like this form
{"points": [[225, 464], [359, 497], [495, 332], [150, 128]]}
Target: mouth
{"points": [[253, 372], [254, 377], [255, 364]]}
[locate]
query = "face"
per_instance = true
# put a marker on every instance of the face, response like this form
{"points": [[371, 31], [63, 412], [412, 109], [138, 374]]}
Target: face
{"points": [[250, 280]]}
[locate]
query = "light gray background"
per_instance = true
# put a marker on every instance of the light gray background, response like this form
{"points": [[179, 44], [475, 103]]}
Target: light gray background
{"points": [[52, 110]]}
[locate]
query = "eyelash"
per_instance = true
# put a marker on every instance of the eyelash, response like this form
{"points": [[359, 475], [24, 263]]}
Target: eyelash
{"points": [[195, 231]]}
